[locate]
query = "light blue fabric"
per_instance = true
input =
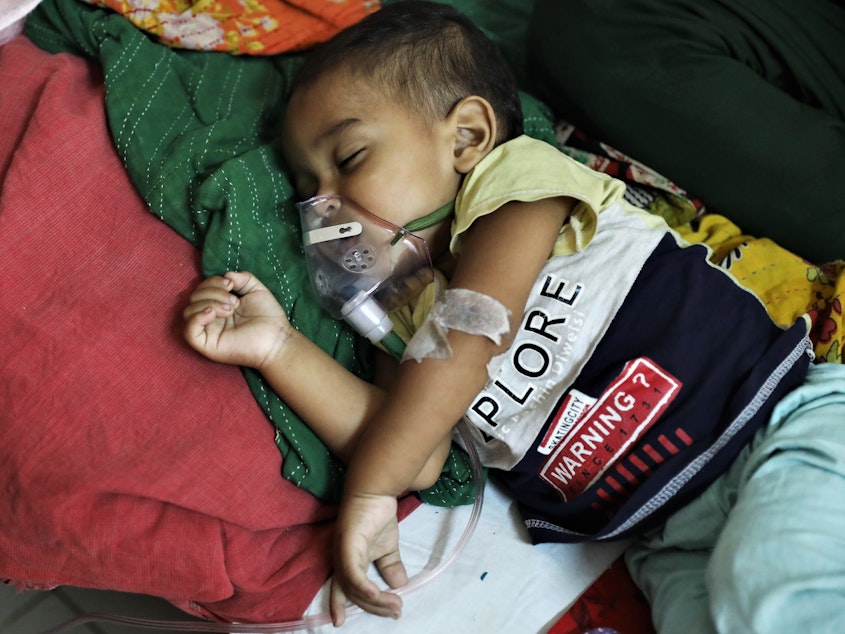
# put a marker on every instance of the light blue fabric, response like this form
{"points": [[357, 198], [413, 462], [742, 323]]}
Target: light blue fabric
{"points": [[763, 549]]}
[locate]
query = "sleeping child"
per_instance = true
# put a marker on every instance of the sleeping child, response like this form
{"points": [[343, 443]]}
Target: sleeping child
{"points": [[617, 382]]}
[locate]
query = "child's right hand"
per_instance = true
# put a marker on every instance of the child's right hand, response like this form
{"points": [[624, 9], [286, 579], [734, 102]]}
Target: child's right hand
{"points": [[235, 319]]}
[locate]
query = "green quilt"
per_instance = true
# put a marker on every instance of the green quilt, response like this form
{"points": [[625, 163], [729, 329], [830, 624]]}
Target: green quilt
{"points": [[199, 135]]}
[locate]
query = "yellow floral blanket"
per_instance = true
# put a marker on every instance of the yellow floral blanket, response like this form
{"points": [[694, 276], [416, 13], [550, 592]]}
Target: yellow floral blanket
{"points": [[255, 27]]}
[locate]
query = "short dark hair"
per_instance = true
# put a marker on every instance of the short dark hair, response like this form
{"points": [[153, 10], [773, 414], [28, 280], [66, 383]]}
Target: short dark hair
{"points": [[427, 55]]}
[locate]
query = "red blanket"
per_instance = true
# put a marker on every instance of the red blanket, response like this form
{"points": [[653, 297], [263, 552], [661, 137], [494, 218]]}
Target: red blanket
{"points": [[127, 461]]}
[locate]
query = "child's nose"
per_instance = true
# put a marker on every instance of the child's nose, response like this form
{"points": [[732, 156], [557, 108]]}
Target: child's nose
{"points": [[327, 186]]}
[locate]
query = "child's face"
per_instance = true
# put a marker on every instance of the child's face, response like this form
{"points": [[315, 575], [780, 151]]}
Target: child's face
{"points": [[341, 136]]}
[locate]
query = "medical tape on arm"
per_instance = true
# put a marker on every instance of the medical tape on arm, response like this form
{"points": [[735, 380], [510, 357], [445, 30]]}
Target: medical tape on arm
{"points": [[458, 309]]}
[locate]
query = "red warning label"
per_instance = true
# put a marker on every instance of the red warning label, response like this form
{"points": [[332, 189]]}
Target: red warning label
{"points": [[604, 433]]}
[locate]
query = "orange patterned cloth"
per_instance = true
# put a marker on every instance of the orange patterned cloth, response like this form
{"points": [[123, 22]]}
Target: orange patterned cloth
{"points": [[252, 27]]}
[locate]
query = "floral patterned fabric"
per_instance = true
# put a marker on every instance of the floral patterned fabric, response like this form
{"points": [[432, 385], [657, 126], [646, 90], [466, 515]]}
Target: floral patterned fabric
{"points": [[253, 27]]}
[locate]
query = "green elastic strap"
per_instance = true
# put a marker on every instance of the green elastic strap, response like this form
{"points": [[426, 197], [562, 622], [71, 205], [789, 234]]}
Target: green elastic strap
{"points": [[431, 219], [424, 222]]}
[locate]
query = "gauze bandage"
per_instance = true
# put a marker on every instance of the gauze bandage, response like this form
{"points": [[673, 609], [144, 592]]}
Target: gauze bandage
{"points": [[458, 309]]}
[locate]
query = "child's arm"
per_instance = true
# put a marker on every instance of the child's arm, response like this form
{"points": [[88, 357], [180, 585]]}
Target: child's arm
{"points": [[235, 319], [502, 257]]}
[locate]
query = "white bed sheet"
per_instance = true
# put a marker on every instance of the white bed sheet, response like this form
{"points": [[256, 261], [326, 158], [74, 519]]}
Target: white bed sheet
{"points": [[500, 582], [12, 17]]}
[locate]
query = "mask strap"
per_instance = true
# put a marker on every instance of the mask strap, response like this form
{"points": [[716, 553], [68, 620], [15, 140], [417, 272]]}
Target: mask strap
{"points": [[429, 220]]}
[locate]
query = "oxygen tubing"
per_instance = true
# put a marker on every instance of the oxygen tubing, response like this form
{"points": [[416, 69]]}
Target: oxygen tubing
{"points": [[317, 620], [394, 345]]}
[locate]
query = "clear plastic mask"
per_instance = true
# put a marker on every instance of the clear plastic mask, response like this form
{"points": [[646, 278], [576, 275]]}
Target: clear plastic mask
{"points": [[360, 265]]}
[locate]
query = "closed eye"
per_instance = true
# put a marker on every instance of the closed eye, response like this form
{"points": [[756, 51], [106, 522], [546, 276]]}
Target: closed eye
{"points": [[348, 162]]}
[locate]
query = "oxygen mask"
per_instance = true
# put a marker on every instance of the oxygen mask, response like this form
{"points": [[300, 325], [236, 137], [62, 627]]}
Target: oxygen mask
{"points": [[361, 265]]}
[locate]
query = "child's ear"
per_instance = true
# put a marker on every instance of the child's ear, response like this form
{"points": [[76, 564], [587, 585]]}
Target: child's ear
{"points": [[475, 128]]}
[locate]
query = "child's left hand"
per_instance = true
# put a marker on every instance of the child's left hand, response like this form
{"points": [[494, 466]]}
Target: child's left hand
{"points": [[366, 531]]}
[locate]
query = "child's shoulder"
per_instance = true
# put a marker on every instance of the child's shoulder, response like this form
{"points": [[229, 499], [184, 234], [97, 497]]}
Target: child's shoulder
{"points": [[528, 169]]}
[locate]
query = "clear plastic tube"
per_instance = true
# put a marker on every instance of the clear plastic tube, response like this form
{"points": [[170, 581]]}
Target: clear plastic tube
{"points": [[317, 620]]}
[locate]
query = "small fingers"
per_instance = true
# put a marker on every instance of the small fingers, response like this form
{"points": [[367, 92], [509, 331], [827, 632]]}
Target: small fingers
{"points": [[210, 301], [219, 282], [368, 596], [214, 288], [337, 603], [197, 326], [226, 288], [216, 307], [243, 282], [392, 570], [213, 293]]}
